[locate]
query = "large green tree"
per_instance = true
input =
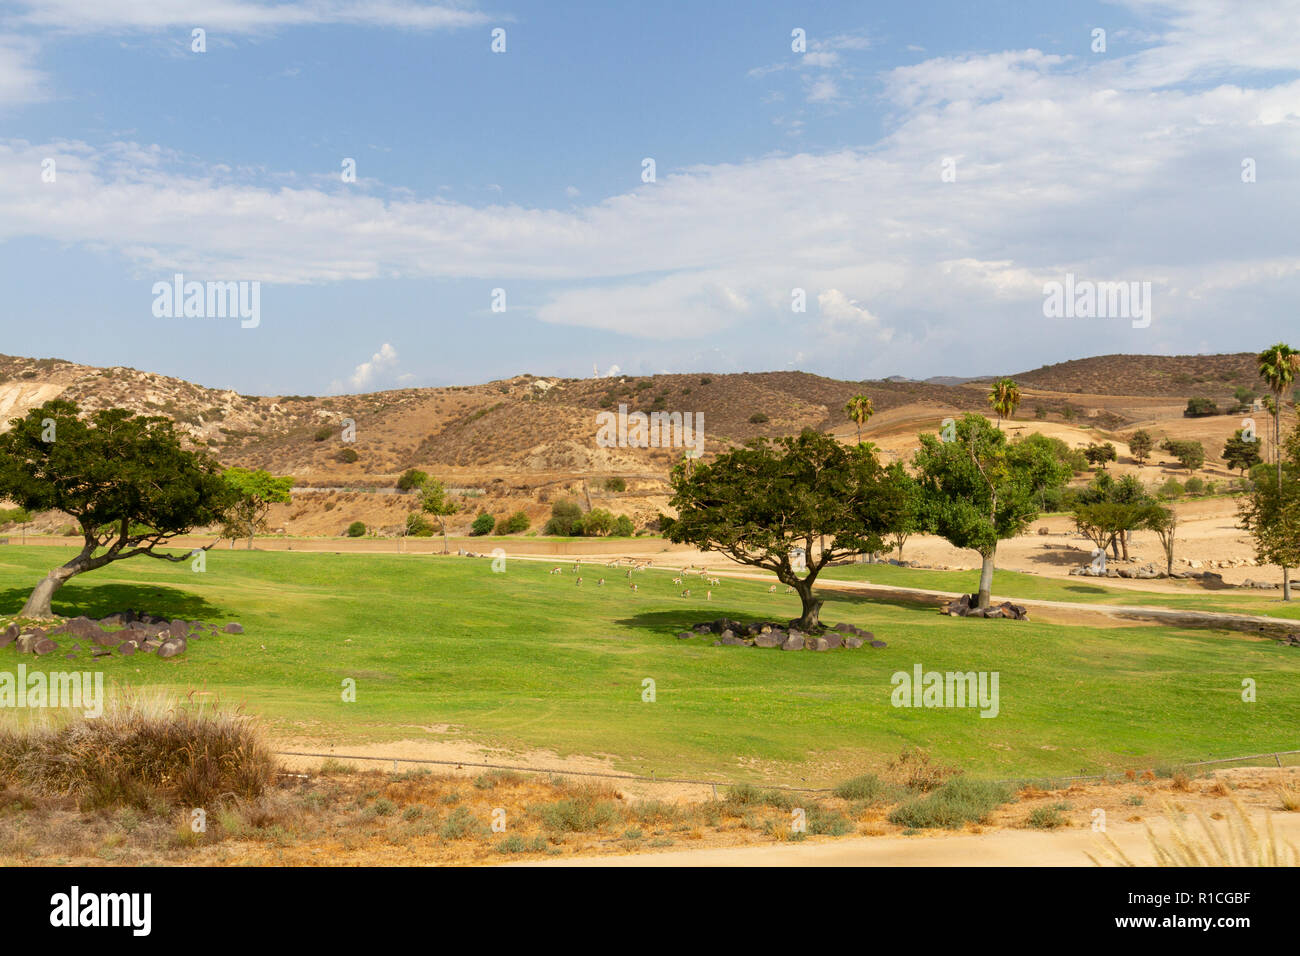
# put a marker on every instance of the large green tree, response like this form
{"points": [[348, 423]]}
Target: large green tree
{"points": [[256, 491], [1270, 511], [1278, 365], [761, 502], [979, 489], [124, 478]]}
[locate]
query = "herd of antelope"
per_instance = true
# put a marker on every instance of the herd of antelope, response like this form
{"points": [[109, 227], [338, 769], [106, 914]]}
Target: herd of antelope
{"points": [[680, 579]]}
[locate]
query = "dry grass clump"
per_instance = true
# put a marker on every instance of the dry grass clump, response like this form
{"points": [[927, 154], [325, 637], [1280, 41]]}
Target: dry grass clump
{"points": [[149, 753], [1238, 842]]}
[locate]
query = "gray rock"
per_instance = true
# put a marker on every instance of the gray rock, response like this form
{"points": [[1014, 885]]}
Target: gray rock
{"points": [[853, 643], [684, 635], [732, 641], [127, 648], [833, 641], [878, 644], [172, 647], [727, 633], [233, 628], [793, 643], [821, 644], [770, 639], [43, 646], [8, 635], [26, 641]]}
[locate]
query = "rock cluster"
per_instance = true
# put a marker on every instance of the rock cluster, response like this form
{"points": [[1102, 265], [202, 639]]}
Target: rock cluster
{"points": [[968, 606], [787, 637], [134, 632]]}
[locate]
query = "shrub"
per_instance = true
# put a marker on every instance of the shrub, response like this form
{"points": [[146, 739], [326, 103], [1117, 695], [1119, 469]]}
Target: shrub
{"points": [[357, 529], [1200, 408], [1047, 818], [623, 527], [758, 418], [418, 526], [866, 787], [1194, 486], [1170, 489], [566, 519], [411, 479], [578, 814], [323, 433], [517, 523], [957, 802], [14, 516], [482, 525], [615, 484], [145, 754], [347, 455]]}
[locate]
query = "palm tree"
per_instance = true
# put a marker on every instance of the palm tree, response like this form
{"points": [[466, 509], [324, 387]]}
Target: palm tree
{"points": [[1278, 365], [1004, 396], [860, 409]]}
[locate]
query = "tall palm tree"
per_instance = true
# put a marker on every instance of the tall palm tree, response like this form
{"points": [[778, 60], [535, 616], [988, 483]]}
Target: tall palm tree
{"points": [[860, 409], [1004, 396], [1278, 365]]}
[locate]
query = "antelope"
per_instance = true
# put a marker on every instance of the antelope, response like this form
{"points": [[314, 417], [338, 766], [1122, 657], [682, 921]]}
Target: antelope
{"points": [[579, 581], [772, 589], [789, 590], [634, 587], [556, 571], [686, 593], [601, 582], [677, 580]]}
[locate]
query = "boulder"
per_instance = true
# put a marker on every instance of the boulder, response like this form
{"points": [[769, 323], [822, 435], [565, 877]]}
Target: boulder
{"points": [[832, 641], [127, 648], [151, 645], [769, 639], [853, 643], [731, 641], [727, 634], [113, 620], [820, 644], [683, 635], [172, 647], [877, 643], [43, 646], [8, 635], [26, 641], [793, 643]]}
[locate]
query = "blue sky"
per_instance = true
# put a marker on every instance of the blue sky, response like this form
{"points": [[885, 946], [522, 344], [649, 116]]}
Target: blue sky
{"points": [[776, 170]]}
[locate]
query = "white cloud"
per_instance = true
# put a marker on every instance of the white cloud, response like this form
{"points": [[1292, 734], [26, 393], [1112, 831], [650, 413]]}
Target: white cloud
{"points": [[20, 82], [380, 364]]}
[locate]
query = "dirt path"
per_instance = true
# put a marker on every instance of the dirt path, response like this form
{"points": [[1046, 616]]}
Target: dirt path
{"points": [[998, 848]]}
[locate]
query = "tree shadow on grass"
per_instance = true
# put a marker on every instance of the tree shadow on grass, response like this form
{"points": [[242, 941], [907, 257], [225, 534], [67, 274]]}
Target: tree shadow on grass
{"points": [[1086, 589], [100, 600], [672, 623]]}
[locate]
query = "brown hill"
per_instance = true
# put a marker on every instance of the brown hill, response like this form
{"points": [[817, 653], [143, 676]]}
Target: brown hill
{"points": [[1213, 376]]}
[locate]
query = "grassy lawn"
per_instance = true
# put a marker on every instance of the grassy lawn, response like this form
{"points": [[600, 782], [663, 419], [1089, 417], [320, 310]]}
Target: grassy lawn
{"points": [[526, 659], [1015, 584]]}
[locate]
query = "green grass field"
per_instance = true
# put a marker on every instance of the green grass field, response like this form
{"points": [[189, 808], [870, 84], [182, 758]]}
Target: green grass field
{"points": [[524, 659], [1192, 596]]}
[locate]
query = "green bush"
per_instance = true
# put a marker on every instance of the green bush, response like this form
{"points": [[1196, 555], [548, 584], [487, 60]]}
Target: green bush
{"points": [[1171, 489], [1048, 818], [577, 815], [14, 516], [615, 484], [482, 525], [866, 787], [323, 433], [1194, 486], [418, 526], [623, 527], [347, 455], [758, 418], [517, 523], [951, 806], [1200, 408], [411, 479], [566, 519], [357, 529]]}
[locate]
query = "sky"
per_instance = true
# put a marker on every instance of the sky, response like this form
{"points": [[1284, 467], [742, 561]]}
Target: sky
{"points": [[856, 190]]}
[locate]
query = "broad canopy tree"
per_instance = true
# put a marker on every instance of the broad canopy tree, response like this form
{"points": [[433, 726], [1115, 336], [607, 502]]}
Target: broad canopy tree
{"points": [[124, 478], [979, 488], [761, 502]]}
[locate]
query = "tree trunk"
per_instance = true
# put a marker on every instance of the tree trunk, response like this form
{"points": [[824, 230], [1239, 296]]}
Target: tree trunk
{"points": [[38, 605], [812, 607], [986, 578], [1286, 584]]}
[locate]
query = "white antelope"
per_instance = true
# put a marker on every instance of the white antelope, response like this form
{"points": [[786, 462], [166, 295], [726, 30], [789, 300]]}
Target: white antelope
{"points": [[556, 571], [677, 580]]}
